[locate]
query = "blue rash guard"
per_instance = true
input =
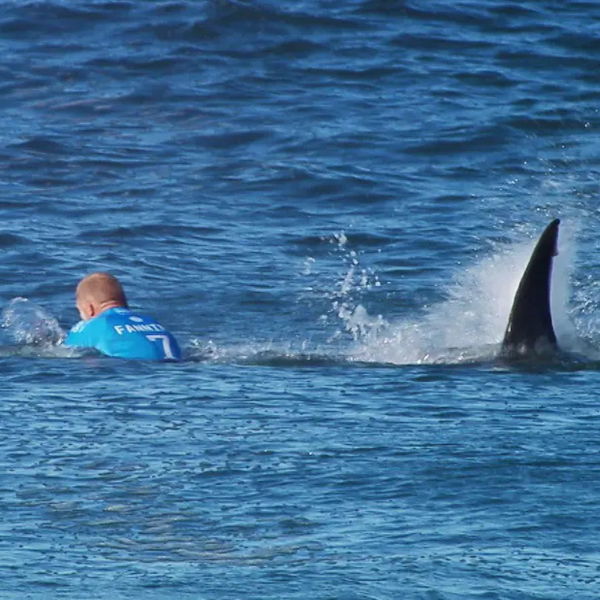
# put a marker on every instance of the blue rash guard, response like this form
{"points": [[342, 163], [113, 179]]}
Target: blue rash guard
{"points": [[122, 333]]}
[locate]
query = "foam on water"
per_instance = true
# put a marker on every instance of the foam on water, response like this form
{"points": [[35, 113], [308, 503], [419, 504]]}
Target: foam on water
{"points": [[470, 323], [468, 326], [28, 323], [31, 331]]}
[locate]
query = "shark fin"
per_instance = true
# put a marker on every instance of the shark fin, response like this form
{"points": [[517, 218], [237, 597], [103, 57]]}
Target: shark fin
{"points": [[530, 330]]}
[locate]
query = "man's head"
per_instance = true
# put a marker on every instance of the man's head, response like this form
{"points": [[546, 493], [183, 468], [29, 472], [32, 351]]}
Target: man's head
{"points": [[98, 292]]}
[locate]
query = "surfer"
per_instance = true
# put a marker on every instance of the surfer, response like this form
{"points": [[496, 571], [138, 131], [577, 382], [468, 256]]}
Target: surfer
{"points": [[108, 324]]}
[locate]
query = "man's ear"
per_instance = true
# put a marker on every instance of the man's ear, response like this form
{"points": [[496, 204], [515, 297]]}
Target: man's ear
{"points": [[91, 310]]}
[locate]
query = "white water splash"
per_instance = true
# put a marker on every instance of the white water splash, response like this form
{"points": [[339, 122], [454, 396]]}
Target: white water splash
{"points": [[470, 323], [28, 323], [466, 327], [355, 317]]}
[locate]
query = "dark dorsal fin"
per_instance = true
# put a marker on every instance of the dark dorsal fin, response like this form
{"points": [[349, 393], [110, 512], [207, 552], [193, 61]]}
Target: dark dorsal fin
{"points": [[530, 329]]}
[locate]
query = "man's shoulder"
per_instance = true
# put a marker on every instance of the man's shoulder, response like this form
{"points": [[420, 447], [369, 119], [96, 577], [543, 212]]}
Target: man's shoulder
{"points": [[115, 314], [131, 320], [125, 315], [83, 333], [78, 327], [94, 327]]}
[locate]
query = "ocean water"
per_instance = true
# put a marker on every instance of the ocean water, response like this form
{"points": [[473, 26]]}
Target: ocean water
{"points": [[330, 204]]}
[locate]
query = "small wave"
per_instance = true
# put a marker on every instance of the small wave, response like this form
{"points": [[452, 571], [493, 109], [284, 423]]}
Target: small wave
{"points": [[42, 351], [27, 323], [42, 145], [547, 124], [266, 354], [10, 239], [579, 42], [150, 64], [545, 62], [150, 231], [231, 139], [229, 12], [462, 142], [440, 43], [37, 19], [486, 79]]}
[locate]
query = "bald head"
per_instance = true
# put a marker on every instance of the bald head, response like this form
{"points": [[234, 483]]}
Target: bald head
{"points": [[98, 292]]}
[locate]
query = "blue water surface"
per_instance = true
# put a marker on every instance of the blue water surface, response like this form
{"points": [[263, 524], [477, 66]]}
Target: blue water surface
{"points": [[330, 204]]}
